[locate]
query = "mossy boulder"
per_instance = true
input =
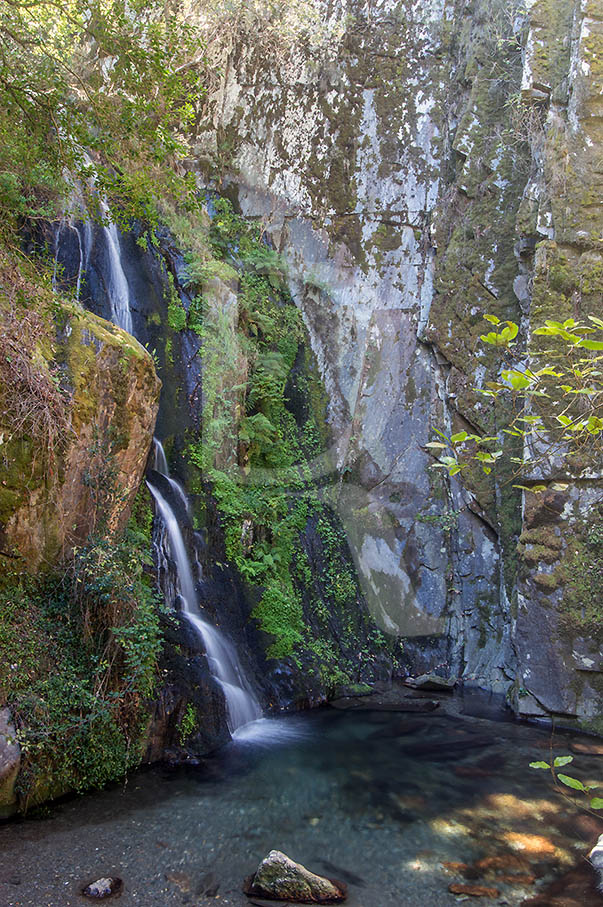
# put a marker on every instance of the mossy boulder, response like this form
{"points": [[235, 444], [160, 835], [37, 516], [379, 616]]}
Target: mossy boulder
{"points": [[280, 878], [73, 460]]}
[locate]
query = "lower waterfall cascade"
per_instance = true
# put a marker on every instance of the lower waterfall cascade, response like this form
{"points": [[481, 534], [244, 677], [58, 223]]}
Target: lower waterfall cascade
{"points": [[242, 705]]}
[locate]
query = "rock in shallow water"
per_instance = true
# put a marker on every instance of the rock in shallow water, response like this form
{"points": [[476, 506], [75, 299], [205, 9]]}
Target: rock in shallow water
{"points": [[280, 878]]}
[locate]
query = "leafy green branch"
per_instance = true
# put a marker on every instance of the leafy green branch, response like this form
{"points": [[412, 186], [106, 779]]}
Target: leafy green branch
{"points": [[558, 406], [568, 780]]}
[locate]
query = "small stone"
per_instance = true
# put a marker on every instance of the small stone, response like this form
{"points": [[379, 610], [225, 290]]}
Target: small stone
{"points": [[280, 878], [476, 891], [180, 879], [102, 888]]}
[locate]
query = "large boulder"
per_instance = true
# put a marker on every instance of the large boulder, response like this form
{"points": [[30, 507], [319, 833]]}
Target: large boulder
{"points": [[52, 496], [279, 878]]}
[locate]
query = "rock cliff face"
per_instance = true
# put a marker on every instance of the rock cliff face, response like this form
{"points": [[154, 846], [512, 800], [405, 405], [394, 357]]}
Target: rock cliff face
{"points": [[420, 165]]}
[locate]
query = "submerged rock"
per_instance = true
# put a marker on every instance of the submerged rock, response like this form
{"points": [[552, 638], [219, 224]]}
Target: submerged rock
{"points": [[103, 888], [280, 878], [475, 891]]}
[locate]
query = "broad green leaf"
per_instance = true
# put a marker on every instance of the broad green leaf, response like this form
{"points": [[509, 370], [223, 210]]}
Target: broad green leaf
{"points": [[487, 469], [512, 329], [518, 380], [491, 338], [562, 760], [591, 344], [539, 765], [565, 420], [596, 803], [572, 782], [459, 437], [492, 319], [454, 469]]}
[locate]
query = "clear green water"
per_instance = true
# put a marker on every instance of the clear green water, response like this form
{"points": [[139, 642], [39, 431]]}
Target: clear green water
{"points": [[380, 800]]}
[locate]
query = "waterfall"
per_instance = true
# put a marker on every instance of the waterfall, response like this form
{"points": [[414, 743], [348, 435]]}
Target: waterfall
{"points": [[241, 704], [162, 467], [119, 292]]}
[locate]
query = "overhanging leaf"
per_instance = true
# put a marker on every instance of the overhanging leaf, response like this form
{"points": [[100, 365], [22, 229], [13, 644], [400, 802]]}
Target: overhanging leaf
{"points": [[572, 782]]}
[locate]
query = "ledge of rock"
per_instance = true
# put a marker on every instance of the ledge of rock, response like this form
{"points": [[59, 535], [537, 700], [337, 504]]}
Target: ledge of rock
{"points": [[431, 682], [280, 878]]}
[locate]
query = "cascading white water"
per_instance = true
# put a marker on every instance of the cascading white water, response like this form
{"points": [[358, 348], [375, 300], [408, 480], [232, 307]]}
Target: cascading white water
{"points": [[162, 467], [119, 292], [242, 706]]}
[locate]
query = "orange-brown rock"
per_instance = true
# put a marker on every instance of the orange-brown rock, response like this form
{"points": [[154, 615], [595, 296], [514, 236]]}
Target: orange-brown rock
{"points": [[51, 502]]}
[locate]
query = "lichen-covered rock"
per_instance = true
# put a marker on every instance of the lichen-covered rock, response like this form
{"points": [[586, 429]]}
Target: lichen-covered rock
{"points": [[280, 878]]}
